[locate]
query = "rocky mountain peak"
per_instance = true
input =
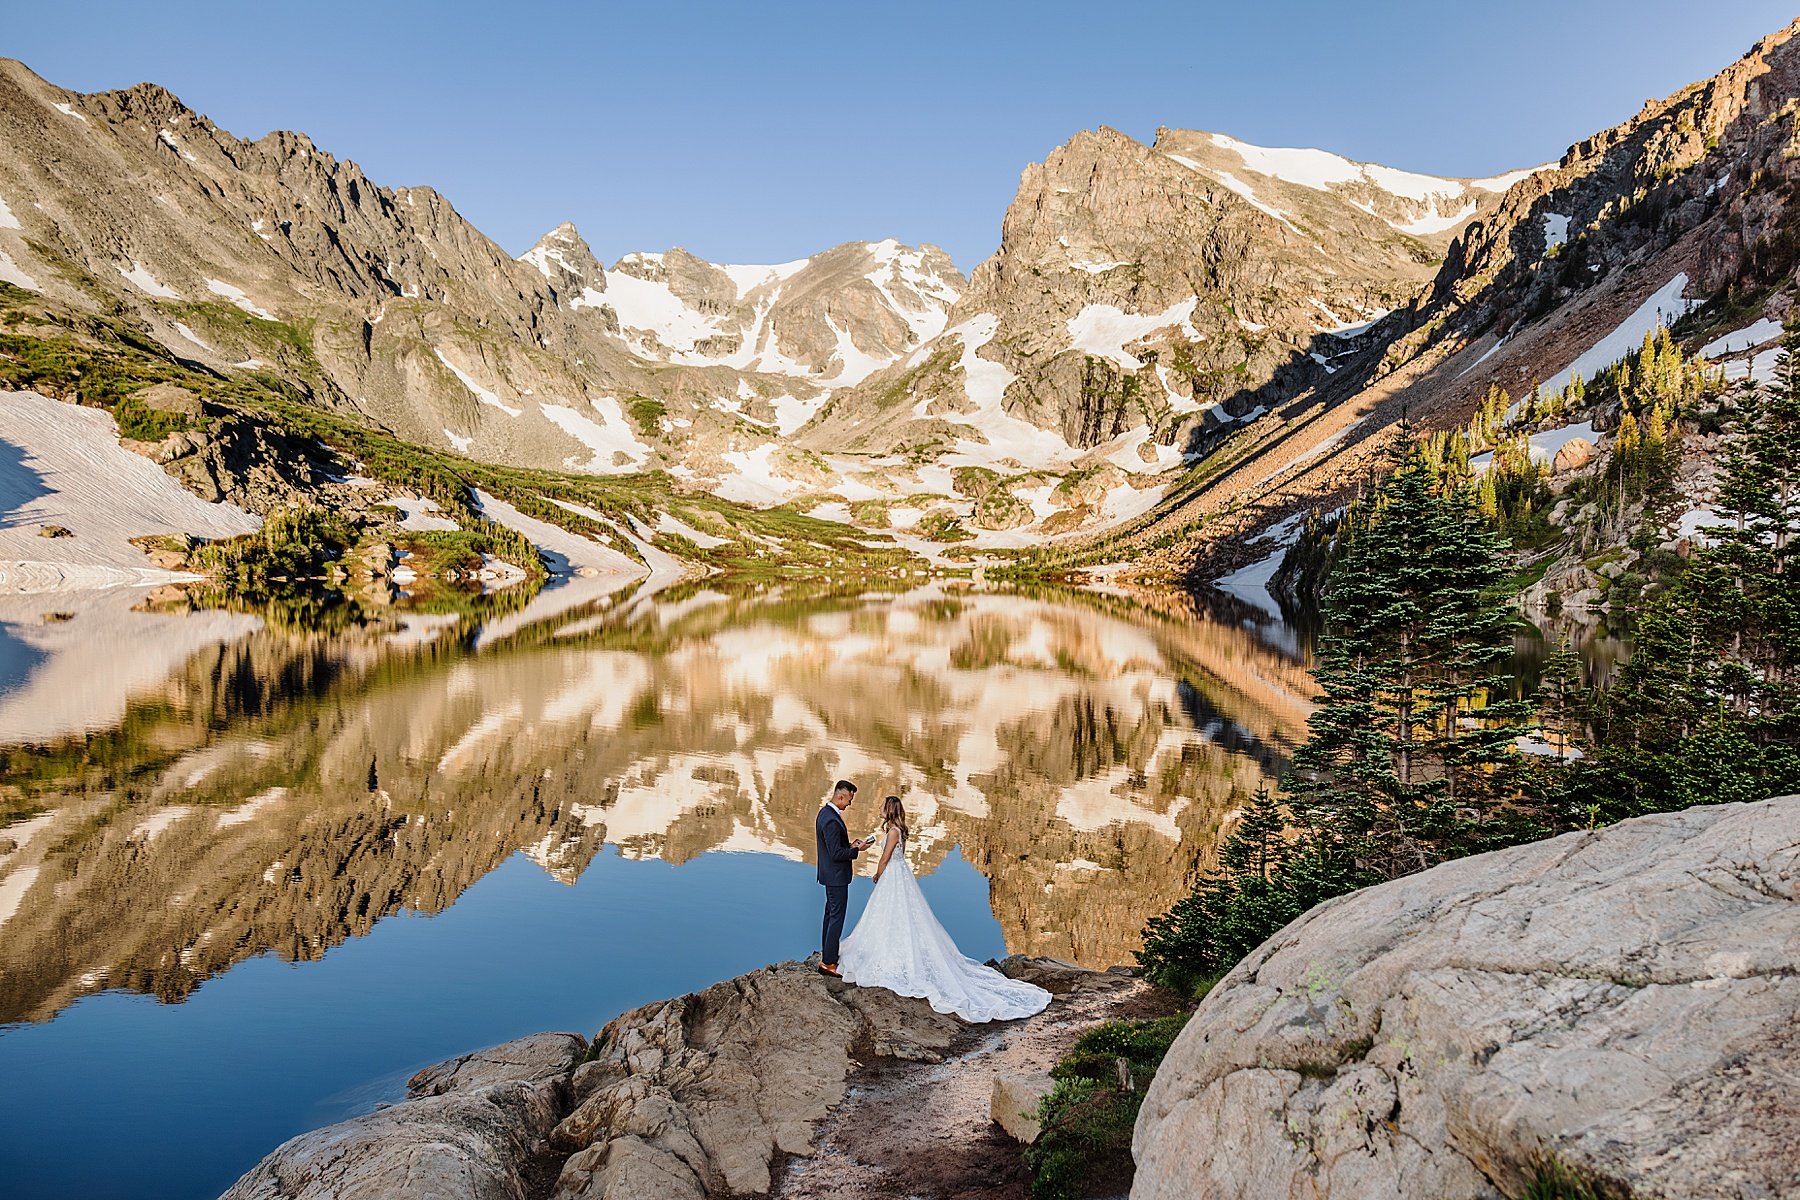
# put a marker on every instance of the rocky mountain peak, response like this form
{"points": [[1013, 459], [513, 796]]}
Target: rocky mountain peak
{"points": [[1146, 299], [148, 102], [564, 259]]}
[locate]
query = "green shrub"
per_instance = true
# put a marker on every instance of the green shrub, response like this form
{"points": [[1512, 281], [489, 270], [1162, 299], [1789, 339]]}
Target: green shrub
{"points": [[295, 542], [943, 527], [647, 414], [141, 423], [1142, 1044], [1088, 1118], [1556, 1180]]}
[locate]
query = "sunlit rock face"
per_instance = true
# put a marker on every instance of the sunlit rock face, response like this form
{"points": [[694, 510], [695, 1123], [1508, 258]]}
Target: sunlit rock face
{"points": [[285, 792]]}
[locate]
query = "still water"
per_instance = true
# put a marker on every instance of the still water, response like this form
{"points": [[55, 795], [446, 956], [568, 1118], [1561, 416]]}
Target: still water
{"points": [[250, 879]]}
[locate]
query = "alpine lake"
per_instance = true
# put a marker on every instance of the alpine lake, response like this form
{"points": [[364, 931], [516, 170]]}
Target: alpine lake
{"points": [[254, 875]]}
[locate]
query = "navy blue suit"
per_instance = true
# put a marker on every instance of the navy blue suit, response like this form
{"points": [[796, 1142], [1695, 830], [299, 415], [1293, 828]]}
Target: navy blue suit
{"points": [[837, 858]]}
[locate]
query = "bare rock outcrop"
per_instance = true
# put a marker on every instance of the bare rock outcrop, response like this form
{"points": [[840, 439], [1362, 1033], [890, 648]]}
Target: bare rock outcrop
{"points": [[473, 1127], [696, 1096], [693, 1097], [1622, 1003]]}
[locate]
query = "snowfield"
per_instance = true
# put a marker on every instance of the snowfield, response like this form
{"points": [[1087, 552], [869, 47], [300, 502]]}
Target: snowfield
{"points": [[660, 325], [1008, 437], [1436, 221], [1104, 330], [14, 274], [1320, 169], [1735, 349], [61, 464], [1747, 338], [609, 437], [1556, 231], [754, 479], [235, 295]]}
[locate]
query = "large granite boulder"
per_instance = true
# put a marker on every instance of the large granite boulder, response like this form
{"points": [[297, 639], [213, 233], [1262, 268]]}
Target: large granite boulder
{"points": [[1622, 1004], [475, 1127]]}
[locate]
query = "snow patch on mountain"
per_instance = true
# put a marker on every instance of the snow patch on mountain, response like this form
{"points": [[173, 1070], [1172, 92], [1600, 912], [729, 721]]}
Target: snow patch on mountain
{"points": [[419, 513], [485, 395], [235, 295], [168, 139], [791, 412], [1104, 330], [854, 364], [541, 256], [1242, 189], [1556, 231], [754, 479], [675, 525], [1735, 350], [924, 298], [1348, 329], [985, 383], [140, 276], [1739, 340], [650, 306], [1320, 169], [1665, 306], [750, 277], [11, 272], [1126, 453], [1505, 180], [1435, 221], [193, 337], [68, 469], [610, 438], [7, 220]]}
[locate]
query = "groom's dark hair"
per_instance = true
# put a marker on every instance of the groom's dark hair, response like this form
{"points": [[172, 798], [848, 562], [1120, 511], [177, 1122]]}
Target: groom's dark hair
{"points": [[844, 785]]}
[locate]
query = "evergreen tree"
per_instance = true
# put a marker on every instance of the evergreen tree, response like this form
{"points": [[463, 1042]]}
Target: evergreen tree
{"points": [[1399, 770], [1258, 846], [1708, 708], [1564, 704]]}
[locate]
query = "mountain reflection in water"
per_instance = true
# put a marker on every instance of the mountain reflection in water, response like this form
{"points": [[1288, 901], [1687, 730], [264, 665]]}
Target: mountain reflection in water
{"points": [[283, 792]]}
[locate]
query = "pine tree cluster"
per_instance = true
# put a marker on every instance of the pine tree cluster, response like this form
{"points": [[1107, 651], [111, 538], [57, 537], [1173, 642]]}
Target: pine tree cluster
{"points": [[1413, 755]]}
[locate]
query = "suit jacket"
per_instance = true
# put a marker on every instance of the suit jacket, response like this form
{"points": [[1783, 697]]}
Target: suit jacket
{"points": [[837, 857]]}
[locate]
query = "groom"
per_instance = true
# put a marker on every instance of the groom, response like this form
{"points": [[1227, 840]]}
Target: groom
{"points": [[837, 857]]}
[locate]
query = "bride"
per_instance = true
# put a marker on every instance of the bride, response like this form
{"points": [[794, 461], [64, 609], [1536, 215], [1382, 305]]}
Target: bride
{"points": [[899, 945]]}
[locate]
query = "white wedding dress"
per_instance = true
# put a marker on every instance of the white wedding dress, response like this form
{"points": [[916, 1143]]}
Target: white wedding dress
{"points": [[898, 944]]}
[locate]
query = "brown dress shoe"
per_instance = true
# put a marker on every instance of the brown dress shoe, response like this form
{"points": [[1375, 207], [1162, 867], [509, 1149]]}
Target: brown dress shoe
{"points": [[828, 969]]}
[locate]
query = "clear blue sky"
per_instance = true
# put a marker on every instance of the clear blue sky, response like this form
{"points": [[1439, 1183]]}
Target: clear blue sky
{"points": [[759, 132]]}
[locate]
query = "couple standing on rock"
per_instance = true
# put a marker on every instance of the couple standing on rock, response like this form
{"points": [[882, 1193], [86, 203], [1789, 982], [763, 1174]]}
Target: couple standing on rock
{"points": [[897, 943]]}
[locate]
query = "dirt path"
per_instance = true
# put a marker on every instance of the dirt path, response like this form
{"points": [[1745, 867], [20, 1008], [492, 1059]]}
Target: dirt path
{"points": [[923, 1129]]}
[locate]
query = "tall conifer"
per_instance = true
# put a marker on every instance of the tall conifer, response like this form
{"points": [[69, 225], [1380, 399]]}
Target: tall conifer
{"points": [[1399, 769]]}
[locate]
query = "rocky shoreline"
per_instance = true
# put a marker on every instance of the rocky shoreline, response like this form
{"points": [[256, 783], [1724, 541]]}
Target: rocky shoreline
{"points": [[780, 1082]]}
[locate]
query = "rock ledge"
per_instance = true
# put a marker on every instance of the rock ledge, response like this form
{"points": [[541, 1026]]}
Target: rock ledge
{"points": [[703, 1095], [1624, 1001]]}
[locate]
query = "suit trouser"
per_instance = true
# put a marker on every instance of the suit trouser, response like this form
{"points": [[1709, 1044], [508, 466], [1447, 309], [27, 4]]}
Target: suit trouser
{"points": [[837, 902]]}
